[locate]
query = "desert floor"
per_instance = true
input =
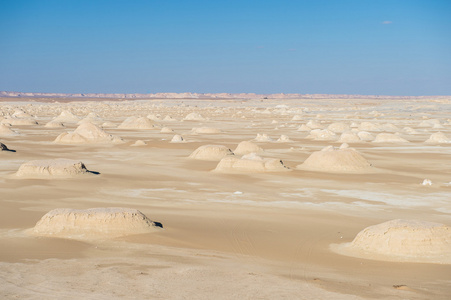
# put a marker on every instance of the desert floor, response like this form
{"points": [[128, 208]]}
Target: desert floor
{"points": [[225, 236]]}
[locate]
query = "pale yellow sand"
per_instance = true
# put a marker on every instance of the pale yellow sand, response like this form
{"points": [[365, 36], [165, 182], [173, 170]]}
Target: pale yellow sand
{"points": [[225, 236]]}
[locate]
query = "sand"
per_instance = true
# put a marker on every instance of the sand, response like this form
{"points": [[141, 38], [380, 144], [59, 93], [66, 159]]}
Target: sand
{"points": [[235, 234]]}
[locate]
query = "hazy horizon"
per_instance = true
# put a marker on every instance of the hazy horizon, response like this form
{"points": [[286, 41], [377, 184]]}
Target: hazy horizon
{"points": [[396, 48]]}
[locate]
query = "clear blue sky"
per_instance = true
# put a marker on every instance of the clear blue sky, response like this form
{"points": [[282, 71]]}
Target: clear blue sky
{"points": [[372, 47]]}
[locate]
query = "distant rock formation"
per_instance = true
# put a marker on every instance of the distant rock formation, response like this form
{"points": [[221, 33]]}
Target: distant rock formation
{"points": [[208, 96]]}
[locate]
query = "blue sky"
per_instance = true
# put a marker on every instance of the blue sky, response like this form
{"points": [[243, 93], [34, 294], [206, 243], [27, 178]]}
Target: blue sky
{"points": [[318, 46]]}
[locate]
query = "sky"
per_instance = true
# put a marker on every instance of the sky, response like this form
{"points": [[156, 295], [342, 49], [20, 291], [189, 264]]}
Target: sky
{"points": [[381, 47]]}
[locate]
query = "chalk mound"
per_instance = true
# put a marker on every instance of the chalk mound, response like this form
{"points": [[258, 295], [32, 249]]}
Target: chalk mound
{"points": [[313, 124], [402, 240], [20, 113], [438, 138], [250, 163], [429, 123], [91, 118], [108, 124], [321, 135], [338, 127], [7, 131], [87, 133], [137, 123], [389, 138], [169, 119], [205, 130], [66, 117], [138, 143], [93, 223], [211, 152], [166, 130], [342, 160], [194, 117], [54, 124], [177, 139], [369, 126], [284, 139], [263, 138], [246, 147], [52, 168], [19, 121], [349, 137], [154, 117], [365, 136], [304, 128]]}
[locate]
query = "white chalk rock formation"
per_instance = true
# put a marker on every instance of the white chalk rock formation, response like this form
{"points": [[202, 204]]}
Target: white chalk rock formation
{"points": [[246, 147], [250, 163], [438, 138], [194, 117], [369, 126], [94, 223], [365, 136], [66, 117], [138, 143], [263, 138], [349, 137], [19, 121], [87, 133], [52, 168], [108, 124], [389, 138], [166, 130], [402, 240], [338, 127], [7, 131], [304, 128], [137, 123], [91, 118], [284, 139], [54, 124], [321, 135], [154, 117], [342, 160], [177, 139], [313, 124], [211, 152], [429, 123], [169, 119]]}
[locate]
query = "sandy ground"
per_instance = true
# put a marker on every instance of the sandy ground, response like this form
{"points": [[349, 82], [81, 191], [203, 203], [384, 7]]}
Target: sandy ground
{"points": [[225, 236]]}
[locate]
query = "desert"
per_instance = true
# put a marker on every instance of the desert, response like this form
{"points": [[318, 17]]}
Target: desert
{"points": [[181, 196]]}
